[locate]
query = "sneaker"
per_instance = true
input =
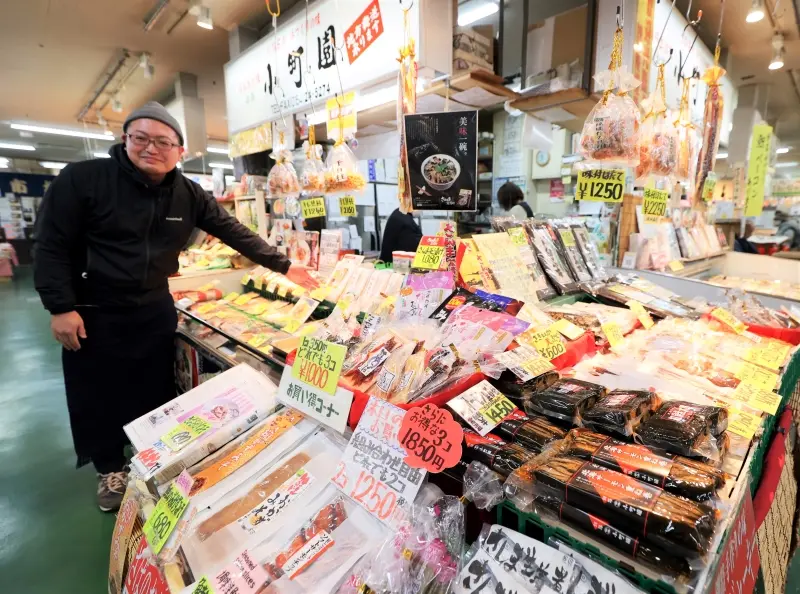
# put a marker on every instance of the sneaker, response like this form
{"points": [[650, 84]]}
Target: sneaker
{"points": [[110, 489]]}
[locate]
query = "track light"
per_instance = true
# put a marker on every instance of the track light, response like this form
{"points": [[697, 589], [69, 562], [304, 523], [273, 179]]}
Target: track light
{"points": [[63, 132], [756, 12], [777, 52], [204, 18]]}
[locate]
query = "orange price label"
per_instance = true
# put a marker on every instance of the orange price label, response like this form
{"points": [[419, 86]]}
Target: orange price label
{"points": [[431, 438]]}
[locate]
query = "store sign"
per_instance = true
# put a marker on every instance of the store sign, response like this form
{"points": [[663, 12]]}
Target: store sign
{"points": [[329, 409], [757, 164], [251, 141], [601, 185], [373, 471], [739, 562], [272, 77], [442, 151]]}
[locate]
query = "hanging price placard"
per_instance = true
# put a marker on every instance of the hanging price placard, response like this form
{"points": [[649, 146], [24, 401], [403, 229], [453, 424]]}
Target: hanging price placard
{"points": [[313, 207], [753, 375], [319, 363], [654, 207], [743, 423], [601, 185], [770, 356], [347, 206], [430, 253]]}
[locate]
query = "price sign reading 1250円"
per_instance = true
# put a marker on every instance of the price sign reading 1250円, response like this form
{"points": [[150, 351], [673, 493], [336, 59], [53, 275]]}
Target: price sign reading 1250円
{"points": [[601, 185], [319, 363]]}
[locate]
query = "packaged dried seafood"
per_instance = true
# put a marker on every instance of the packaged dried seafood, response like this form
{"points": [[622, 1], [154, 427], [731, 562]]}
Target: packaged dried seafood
{"points": [[620, 411], [532, 432], [312, 179], [495, 453], [566, 400], [685, 428], [341, 170], [712, 121], [550, 256], [572, 252]]}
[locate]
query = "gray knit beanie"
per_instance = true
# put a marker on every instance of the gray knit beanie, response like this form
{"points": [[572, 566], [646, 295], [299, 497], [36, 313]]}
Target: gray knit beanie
{"points": [[153, 110]]}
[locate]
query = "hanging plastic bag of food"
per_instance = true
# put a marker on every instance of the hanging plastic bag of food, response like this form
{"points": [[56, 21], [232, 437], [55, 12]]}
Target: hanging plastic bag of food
{"points": [[341, 170], [687, 139], [313, 178], [282, 179], [406, 103], [712, 121], [658, 138]]}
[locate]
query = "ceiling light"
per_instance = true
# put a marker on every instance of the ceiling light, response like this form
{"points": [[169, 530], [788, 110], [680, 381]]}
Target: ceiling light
{"points": [[221, 151], [64, 132], [756, 12], [116, 105], [204, 18], [220, 165], [101, 155], [777, 53], [480, 11], [787, 164], [52, 164], [722, 155], [17, 147], [783, 150]]}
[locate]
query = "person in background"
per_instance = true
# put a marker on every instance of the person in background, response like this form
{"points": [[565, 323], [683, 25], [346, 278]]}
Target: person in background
{"points": [[401, 234], [741, 244], [512, 199], [107, 238]]}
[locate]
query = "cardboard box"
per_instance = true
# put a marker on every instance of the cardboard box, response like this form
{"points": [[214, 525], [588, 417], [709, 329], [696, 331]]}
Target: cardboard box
{"points": [[467, 40], [465, 61]]}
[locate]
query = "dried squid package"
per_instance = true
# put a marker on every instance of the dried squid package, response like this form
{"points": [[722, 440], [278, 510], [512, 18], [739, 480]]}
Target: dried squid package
{"points": [[679, 475], [611, 132], [658, 138], [620, 411], [685, 428], [566, 400], [341, 170], [572, 253], [550, 256], [636, 508], [313, 177], [712, 122], [282, 180]]}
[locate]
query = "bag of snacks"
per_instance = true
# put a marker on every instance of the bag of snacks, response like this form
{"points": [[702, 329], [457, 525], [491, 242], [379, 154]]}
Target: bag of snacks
{"points": [[313, 178], [282, 179], [341, 170], [658, 138]]}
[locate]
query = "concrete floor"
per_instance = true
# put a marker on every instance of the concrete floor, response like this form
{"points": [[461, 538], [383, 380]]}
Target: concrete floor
{"points": [[53, 539]]}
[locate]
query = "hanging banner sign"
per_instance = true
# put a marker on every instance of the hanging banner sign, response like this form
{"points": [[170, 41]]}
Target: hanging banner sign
{"points": [[757, 164]]}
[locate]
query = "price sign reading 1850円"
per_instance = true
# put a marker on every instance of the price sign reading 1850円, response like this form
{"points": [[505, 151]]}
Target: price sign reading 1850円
{"points": [[431, 438], [429, 253], [601, 185], [319, 363], [313, 207]]}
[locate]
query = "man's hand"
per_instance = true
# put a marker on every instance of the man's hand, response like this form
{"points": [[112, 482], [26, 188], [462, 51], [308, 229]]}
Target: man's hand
{"points": [[67, 329], [300, 275]]}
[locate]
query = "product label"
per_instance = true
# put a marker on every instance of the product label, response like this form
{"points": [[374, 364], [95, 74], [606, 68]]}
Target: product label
{"points": [[185, 433], [167, 512], [524, 362], [310, 552], [375, 361], [260, 516], [623, 493], [313, 207], [618, 399], [600, 185], [675, 266], [370, 325], [620, 539], [244, 299], [385, 379], [481, 407], [567, 237], [518, 236], [679, 413], [634, 460], [430, 253]]}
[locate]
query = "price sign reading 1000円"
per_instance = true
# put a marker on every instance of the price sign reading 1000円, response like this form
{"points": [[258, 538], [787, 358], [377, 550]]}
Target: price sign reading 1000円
{"points": [[319, 363]]}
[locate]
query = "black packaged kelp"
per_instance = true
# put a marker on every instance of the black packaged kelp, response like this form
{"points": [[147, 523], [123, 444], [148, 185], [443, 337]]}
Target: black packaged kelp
{"points": [[565, 400], [571, 251], [685, 428], [681, 476], [620, 411], [550, 256], [667, 521], [492, 451], [589, 251], [532, 432], [517, 390]]}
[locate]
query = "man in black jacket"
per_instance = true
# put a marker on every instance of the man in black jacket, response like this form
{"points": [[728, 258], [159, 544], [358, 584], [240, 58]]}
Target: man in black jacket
{"points": [[108, 236], [402, 234]]}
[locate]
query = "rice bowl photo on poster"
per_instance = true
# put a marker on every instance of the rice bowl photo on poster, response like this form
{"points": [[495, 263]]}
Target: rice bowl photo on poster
{"points": [[442, 151]]}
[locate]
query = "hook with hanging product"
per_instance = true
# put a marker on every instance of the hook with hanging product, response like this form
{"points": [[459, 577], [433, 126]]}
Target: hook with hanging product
{"points": [[621, 15], [665, 62], [660, 37], [693, 24]]}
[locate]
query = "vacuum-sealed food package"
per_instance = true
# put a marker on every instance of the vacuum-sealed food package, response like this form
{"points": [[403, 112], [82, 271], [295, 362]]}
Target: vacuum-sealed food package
{"points": [[282, 179], [341, 173], [519, 391], [685, 428], [636, 508], [572, 252], [679, 475], [550, 256], [658, 138], [532, 432], [620, 411], [495, 453], [611, 132], [589, 251], [565, 400]]}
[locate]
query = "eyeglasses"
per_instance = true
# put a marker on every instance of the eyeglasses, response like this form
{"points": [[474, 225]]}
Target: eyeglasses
{"points": [[143, 141]]}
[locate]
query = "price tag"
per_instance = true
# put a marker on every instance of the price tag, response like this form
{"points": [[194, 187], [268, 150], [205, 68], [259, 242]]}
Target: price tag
{"points": [[753, 375], [743, 423], [319, 363], [347, 206], [282, 290], [185, 433], [320, 293], [245, 299], [730, 320], [430, 253], [292, 326], [654, 207], [613, 333], [708, 187], [675, 266], [567, 329], [601, 185], [642, 314], [246, 279], [371, 323], [431, 438], [480, 407], [259, 309], [205, 308], [518, 236], [547, 342], [763, 400], [524, 362], [203, 587], [231, 297], [772, 356], [257, 340], [167, 512], [567, 237], [313, 207]]}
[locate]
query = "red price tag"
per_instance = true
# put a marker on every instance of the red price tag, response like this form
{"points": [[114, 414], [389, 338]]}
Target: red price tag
{"points": [[431, 438]]}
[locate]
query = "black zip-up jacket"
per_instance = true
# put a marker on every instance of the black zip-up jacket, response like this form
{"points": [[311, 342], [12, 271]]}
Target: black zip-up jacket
{"points": [[106, 236]]}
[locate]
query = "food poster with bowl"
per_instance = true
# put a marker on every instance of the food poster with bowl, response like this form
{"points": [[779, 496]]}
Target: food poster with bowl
{"points": [[442, 152]]}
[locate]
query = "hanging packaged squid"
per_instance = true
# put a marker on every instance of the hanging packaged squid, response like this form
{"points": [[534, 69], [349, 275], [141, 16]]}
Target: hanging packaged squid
{"points": [[712, 122], [687, 139], [406, 104], [658, 138]]}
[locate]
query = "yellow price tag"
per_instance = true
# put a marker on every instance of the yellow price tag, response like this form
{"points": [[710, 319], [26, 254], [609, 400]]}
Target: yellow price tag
{"points": [[642, 314], [743, 423], [185, 433], [167, 512], [272, 285], [601, 185], [205, 308], [244, 299], [496, 409], [202, 263], [654, 207], [754, 375], [257, 340], [203, 587], [518, 236], [347, 206], [283, 290], [246, 279], [763, 400], [320, 293], [259, 309], [344, 303], [292, 326], [567, 329], [730, 320], [319, 363], [313, 207], [613, 333], [708, 187], [771, 356], [675, 266], [429, 257], [231, 297], [547, 342], [536, 366], [567, 237]]}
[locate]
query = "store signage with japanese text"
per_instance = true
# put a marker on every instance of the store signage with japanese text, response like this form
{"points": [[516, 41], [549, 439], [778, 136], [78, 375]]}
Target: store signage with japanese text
{"points": [[601, 185], [758, 162], [737, 570], [442, 150]]}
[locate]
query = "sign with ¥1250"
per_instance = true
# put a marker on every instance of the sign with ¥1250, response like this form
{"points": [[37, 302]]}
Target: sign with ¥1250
{"points": [[600, 185]]}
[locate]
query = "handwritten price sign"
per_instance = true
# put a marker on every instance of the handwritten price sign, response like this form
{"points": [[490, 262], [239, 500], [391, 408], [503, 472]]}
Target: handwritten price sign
{"points": [[730, 320], [547, 342], [431, 438], [654, 207], [313, 207], [186, 432], [319, 363], [167, 512], [601, 185], [347, 206], [429, 253]]}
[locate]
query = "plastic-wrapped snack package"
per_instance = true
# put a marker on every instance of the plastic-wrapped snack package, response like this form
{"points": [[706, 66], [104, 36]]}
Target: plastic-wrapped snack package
{"points": [[411, 377], [636, 508], [478, 298], [341, 170], [282, 180], [519, 391], [520, 238], [621, 411], [551, 258], [712, 121], [658, 138], [504, 458], [611, 132], [483, 486], [589, 252], [572, 252], [679, 475], [566, 400], [685, 428], [391, 373], [313, 177], [532, 432]]}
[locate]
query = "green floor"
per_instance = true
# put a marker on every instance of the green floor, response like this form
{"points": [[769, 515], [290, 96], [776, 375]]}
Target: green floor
{"points": [[53, 539]]}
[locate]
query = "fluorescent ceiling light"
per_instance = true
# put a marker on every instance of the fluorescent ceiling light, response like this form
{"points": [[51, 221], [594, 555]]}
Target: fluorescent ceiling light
{"points": [[777, 60], [756, 12], [63, 132], [480, 11], [17, 147], [52, 164], [783, 150], [221, 151], [101, 155], [220, 165], [787, 164], [722, 155]]}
